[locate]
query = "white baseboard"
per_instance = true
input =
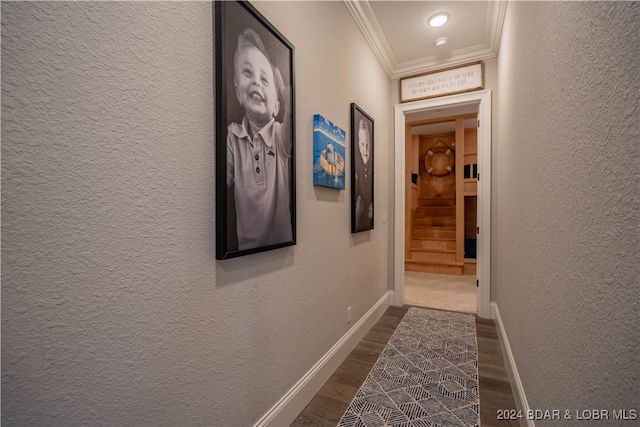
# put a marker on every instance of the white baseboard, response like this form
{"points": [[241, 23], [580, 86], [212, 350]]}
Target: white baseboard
{"points": [[287, 409], [516, 384]]}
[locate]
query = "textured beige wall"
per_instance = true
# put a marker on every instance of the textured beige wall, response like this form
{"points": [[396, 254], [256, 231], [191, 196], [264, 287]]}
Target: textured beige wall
{"points": [[568, 202], [114, 310]]}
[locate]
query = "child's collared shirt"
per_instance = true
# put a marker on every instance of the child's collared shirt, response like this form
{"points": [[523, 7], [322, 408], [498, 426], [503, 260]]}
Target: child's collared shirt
{"points": [[259, 168]]}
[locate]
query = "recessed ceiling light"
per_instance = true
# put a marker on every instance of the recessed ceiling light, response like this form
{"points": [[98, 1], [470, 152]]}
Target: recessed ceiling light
{"points": [[438, 19], [441, 41]]}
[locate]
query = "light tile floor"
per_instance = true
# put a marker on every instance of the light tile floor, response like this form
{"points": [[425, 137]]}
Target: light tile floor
{"points": [[440, 291]]}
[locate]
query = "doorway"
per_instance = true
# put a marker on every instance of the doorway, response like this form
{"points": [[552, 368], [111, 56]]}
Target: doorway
{"points": [[480, 100], [440, 222]]}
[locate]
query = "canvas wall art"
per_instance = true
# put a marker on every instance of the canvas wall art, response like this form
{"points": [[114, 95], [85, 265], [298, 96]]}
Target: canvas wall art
{"points": [[329, 146]]}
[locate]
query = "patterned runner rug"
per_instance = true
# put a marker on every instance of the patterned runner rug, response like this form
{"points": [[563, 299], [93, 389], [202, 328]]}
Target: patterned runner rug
{"points": [[426, 376]]}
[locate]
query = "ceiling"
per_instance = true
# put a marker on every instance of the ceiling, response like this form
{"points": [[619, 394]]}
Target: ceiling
{"points": [[405, 44]]}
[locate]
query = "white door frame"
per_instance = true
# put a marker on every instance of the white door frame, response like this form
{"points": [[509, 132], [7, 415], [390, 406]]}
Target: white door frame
{"points": [[483, 99]]}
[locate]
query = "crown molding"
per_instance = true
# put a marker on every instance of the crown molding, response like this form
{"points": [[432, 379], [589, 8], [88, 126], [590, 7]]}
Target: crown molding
{"points": [[457, 57], [366, 21], [368, 24]]}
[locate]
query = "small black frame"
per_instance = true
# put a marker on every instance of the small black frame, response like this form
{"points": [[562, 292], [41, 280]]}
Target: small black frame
{"points": [[255, 157], [362, 143]]}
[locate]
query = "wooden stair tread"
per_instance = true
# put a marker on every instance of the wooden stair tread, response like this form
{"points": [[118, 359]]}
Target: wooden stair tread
{"points": [[429, 262], [433, 239], [438, 267], [437, 245], [435, 250], [436, 210], [437, 227], [438, 201]]}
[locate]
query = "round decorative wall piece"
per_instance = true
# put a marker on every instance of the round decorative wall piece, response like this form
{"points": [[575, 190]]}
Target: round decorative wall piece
{"points": [[439, 161]]}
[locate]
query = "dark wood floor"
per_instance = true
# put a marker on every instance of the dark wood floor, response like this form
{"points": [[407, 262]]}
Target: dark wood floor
{"points": [[331, 402]]}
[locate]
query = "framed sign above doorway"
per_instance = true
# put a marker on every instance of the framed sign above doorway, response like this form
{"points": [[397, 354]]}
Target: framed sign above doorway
{"points": [[443, 82]]}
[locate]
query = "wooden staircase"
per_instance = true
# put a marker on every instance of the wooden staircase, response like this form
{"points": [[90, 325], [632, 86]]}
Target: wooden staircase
{"points": [[433, 238]]}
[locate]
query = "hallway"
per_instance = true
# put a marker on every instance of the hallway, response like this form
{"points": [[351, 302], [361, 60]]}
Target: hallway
{"points": [[115, 310], [328, 406]]}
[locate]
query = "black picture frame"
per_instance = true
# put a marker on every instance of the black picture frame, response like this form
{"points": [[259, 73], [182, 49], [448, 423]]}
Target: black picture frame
{"points": [[362, 172], [255, 176]]}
